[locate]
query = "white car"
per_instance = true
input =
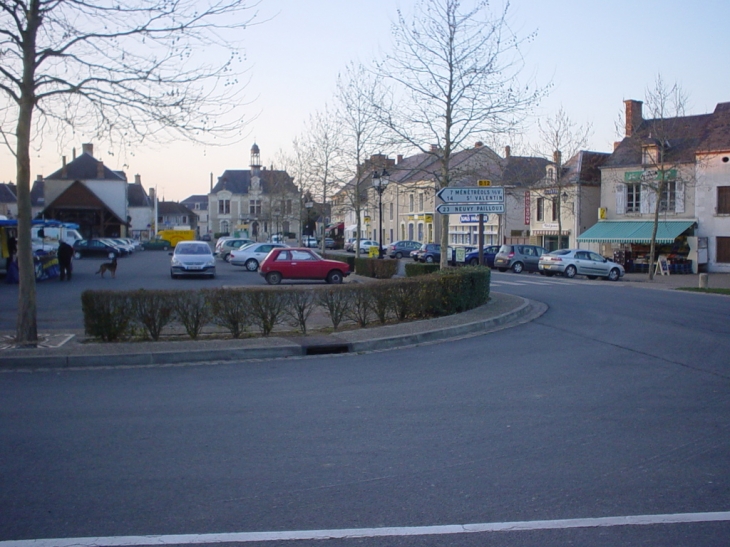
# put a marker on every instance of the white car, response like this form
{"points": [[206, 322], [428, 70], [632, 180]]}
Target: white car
{"points": [[572, 262], [252, 255], [365, 245], [192, 258]]}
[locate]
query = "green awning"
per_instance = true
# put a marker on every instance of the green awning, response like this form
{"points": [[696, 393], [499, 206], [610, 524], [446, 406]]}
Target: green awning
{"points": [[632, 231]]}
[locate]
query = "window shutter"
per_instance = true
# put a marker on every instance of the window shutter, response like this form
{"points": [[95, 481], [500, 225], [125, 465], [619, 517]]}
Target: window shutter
{"points": [[679, 197], [646, 193], [620, 199], [652, 201]]}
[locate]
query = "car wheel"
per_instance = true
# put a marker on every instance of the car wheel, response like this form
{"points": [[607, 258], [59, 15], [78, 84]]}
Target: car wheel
{"points": [[77, 255], [252, 265], [227, 258], [399, 255], [273, 278], [591, 276], [334, 277], [164, 248], [517, 267], [428, 259], [502, 269], [570, 272], [474, 262], [614, 274]]}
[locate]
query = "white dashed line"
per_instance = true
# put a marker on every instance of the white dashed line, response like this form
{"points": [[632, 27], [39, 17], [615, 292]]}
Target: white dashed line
{"points": [[353, 533]]}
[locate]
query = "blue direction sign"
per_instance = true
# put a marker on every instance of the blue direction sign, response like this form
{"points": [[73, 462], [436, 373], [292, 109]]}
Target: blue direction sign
{"points": [[470, 208], [488, 194]]}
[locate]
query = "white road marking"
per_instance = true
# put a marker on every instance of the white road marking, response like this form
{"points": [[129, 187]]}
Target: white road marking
{"points": [[352, 533]]}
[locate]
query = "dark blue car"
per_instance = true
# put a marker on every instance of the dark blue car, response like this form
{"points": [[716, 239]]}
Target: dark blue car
{"points": [[472, 259]]}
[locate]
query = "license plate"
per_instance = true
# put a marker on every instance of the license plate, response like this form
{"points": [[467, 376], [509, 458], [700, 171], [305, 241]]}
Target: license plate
{"points": [[195, 268], [546, 266]]}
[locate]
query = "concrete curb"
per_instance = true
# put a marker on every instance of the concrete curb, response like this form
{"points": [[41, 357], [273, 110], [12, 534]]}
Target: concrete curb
{"points": [[373, 339]]}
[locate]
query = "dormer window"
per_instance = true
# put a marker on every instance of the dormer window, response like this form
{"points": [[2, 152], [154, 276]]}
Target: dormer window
{"points": [[650, 154], [551, 173]]}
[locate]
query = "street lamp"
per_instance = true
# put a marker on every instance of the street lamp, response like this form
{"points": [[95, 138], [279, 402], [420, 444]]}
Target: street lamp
{"points": [[380, 182]]}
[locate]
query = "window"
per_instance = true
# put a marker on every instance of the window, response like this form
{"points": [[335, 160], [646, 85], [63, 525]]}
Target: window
{"points": [[540, 208], [254, 207], [420, 202], [420, 231], [224, 206], [723, 249], [555, 209], [288, 207], [668, 201], [391, 210], [184, 219], [410, 232], [649, 155], [410, 203], [723, 200], [633, 198]]}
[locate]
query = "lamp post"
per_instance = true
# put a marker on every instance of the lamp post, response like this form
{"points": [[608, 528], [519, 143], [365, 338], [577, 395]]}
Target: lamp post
{"points": [[308, 207], [380, 182]]}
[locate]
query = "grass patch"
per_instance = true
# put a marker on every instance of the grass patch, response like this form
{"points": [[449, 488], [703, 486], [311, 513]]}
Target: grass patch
{"points": [[707, 291]]}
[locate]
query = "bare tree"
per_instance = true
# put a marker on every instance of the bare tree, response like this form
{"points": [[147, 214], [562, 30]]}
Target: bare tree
{"points": [[357, 93], [560, 137], [454, 77], [126, 69]]}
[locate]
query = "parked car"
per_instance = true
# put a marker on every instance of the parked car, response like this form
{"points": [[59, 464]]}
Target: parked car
{"points": [[399, 249], [219, 243], [231, 244], [309, 241], [572, 262], [122, 250], [301, 263], [252, 255], [518, 258], [192, 258], [205, 237], [330, 243], [157, 245], [429, 253], [350, 245], [123, 244], [472, 258], [95, 247], [365, 245]]}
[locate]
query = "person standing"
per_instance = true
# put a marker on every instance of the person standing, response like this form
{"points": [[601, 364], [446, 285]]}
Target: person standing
{"points": [[65, 254]]}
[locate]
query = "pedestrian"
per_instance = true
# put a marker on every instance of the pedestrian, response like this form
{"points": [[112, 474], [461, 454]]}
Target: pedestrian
{"points": [[12, 251], [65, 253]]}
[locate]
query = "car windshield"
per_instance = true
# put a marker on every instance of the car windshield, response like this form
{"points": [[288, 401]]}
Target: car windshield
{"points": [[561, 252], [505, 249], [201, 249]]}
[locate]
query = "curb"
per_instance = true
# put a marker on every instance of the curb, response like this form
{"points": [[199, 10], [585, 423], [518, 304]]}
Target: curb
{"points": [[345, 342]]}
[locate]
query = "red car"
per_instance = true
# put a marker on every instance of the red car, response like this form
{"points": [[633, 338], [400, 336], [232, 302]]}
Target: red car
{"points": [[301, 263]]}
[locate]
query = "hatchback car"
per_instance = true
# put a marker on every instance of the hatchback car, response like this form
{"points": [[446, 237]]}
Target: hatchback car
{"points": [[95, 247], [490, 252], [301, 263], [231, 244], [572, 262], [252, 255], [192, 258], [518, 258], [157, 244], [399, 249]]}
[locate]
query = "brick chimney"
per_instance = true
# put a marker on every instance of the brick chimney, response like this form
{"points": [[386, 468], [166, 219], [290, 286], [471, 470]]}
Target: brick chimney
{"points": [[64, 169], [434, 148], [507, 152], [87, 148], [100, 170], [478, 144], [634, 116], [399, 158], [138, 179], [558, 158], [151, 193]]}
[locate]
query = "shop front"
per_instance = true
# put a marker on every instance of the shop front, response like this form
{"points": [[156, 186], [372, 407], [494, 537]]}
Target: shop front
{"points": [[628, 243], [550, 237]]}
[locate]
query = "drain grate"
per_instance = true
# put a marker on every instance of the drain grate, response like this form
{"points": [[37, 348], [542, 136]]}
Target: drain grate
{"points": [[326, 349]]}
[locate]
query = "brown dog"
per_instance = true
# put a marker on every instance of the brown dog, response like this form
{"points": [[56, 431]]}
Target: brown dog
{"points": [[110, 267]]}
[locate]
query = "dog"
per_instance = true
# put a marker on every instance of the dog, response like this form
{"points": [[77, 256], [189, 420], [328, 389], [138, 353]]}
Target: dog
{"points": [[110, 267]]}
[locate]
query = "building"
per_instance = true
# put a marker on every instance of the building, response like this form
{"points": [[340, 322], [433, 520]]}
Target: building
{"points": [[256, 202], [8, 201], [172, 215], [198, 204], [680, 166], [140, 207]]}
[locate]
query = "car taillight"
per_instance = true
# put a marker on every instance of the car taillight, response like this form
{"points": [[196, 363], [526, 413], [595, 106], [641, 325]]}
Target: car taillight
{"points": [[511, 255], [556, 259]]}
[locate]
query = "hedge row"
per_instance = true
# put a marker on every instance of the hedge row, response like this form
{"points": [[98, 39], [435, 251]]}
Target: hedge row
{"points": [[123, 315]]}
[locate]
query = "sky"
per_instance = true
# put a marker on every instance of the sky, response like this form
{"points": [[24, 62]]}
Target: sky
{"points": [[594, 54]]}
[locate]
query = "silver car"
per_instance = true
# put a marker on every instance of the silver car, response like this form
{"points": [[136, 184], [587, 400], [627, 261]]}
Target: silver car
{"points": [[572, 262], [192, 258]]}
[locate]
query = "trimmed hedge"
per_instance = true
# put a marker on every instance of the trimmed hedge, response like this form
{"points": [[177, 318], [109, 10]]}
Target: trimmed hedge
{"points": [[379, 268], [120, 315], [417, 268]]}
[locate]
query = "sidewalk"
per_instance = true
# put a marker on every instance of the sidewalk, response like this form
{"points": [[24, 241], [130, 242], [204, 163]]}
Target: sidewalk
{"points": [[69, 350], [715, 281]]}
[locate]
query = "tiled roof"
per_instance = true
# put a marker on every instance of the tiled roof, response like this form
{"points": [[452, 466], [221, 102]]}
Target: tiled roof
{"points": [[84, 167], [523, 170], [192, 200], [7, 193], [37, 194], [238, 181], [717, 132], [172, 208], [137, 197]]}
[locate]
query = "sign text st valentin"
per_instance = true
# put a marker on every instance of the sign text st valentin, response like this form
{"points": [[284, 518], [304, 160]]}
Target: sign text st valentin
{"points": [[472, 195]]}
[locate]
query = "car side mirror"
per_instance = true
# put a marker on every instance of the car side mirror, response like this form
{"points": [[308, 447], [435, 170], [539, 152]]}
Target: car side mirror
{"points": [[170, 254]]}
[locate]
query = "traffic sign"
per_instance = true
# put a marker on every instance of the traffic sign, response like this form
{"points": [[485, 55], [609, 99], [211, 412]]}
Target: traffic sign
{"points": [[470, 208], [484, 183], [472, 194]]}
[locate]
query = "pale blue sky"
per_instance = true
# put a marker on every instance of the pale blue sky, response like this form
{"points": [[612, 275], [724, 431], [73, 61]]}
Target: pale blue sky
{"points": [[595, 53]]}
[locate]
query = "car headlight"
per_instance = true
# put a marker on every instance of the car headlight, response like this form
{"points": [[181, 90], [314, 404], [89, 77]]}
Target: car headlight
{"points": [[175, 261], [210, 262]]}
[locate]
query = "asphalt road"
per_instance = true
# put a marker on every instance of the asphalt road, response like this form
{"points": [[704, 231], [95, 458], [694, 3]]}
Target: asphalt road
{"points": [[615, 403]]}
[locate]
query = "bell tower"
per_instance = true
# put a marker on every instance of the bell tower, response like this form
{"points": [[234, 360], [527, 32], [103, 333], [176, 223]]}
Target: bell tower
{"points": [[255, 159]]}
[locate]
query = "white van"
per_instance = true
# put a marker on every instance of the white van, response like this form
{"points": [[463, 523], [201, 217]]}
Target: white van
{"points": [[47, 238]]}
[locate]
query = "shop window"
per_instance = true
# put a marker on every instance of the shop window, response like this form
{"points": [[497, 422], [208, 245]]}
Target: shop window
{"points": [[540, 209], [723, 200], [633, 198], [668, 200], [723, 250]]}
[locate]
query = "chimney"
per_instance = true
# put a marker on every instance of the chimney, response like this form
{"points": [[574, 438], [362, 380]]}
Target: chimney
{"points": [[152, 195], [634, 116], [399, 158], [434, 148], [478, 144], [87, 148], [616, 145], [138, 179], [100, 170], [507, 152], [64, 169], [39, 178], [557, 159], [73, 151]]}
